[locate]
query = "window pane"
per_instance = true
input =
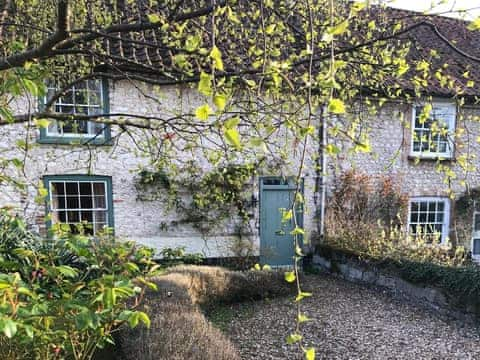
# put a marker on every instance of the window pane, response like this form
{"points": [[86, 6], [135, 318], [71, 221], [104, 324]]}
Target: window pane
{"points": [[73, 216], [87, 216], [72, 202], [99, 202], [85, 188], [58, 188], [440, 206], [423, 206], [86, 202], [476, 247], [71, 188], [59, 216], [477, 222], [100, 216], [99, 188], [58, 202]]}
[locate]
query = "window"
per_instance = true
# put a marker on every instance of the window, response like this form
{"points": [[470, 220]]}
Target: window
{"points": [[476, 232], [432, 131], [82, 202], [87, 98], [429, 219]]}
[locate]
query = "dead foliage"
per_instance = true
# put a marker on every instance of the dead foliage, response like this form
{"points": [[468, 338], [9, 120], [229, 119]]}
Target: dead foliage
{"points": [[179, 330]]}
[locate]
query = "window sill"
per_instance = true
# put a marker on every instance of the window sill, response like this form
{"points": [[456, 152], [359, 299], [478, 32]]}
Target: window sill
{"points": [[74, 141], [426, 158]]}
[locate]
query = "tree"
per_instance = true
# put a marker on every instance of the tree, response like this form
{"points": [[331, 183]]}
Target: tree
{"points": [[263, 69]]}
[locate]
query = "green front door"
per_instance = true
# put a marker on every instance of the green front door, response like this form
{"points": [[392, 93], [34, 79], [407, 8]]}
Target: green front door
{"points": [[276, 242]]}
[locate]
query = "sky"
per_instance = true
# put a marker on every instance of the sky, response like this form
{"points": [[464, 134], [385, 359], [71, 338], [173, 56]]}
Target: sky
{"points": [[421, 5]]}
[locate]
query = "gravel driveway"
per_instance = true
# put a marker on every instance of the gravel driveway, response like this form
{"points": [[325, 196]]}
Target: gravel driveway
{"points": [[350, 322]]}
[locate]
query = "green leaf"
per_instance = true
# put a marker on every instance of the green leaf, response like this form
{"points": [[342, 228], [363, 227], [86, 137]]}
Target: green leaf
{"points": [[6, 114], [84, 320], [270, 29], [205, 84], [220, 100], [302, 295], [287, 215], [332, 149], [203, 112], [67, 271], [310, 354], [231, 122], [297, 231], [339, 28], [9, 328], [233, 137], [293, 338], [290, 276], [31, 87], [192, 43], [143, 317], [216, 56], [303, 318], [336, 106], [153, 18]]}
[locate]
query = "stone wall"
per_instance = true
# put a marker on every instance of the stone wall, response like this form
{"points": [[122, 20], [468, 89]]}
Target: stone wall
{"points": [[358, 270], [134, 219], [390, 136]]}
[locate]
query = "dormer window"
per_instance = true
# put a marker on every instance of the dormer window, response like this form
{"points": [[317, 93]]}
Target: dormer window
{"points": [[88, 97], [433, 127]]}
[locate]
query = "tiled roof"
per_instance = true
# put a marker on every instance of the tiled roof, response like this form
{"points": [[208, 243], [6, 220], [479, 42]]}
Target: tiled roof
{"points": [[455, 46]]}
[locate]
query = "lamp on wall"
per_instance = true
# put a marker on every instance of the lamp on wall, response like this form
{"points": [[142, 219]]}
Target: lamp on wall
{"points": [[253, 201]]}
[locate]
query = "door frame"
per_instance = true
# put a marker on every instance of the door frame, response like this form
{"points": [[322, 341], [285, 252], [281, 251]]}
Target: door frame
{"points": [[289, 186]]}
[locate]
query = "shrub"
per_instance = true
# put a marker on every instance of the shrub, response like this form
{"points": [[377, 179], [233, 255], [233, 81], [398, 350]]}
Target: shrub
{"points": [[64, 298], [365, 216], [179, 330], [361, 207]]}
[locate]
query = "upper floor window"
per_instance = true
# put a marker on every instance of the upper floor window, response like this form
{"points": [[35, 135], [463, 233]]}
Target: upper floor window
{"points": [[433, 127], [88, 97]]}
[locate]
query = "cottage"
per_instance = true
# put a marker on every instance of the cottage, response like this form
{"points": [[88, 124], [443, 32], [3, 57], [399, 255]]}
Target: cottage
{"points": [[95, 175]]}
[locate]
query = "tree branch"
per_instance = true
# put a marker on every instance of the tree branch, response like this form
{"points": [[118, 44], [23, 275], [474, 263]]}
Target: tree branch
{"points": [[61, 33]]}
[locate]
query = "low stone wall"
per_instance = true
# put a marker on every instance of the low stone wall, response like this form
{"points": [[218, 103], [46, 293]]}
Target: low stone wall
{"points": [[354, 269]]}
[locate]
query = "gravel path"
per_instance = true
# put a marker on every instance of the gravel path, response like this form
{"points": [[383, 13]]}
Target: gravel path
{"points": [[350, 322]]}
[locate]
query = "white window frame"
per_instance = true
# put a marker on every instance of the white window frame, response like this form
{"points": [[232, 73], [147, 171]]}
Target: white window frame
{"points": [[475, 233], [91, 133], [451, 109], [93, 210], [446, 216]]}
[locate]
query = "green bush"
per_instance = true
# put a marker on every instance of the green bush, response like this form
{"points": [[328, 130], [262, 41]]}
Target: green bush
{"points": [[63, 298]]}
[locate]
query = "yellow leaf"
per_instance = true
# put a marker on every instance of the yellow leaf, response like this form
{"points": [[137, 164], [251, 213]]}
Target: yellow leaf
{"points": [[336, 106], [474, 25], [290, 276], [205, 84], [220, 100], [153, 18], [203, 112], [216, 56], [42, 123], [233, 137], [310, 354]]}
